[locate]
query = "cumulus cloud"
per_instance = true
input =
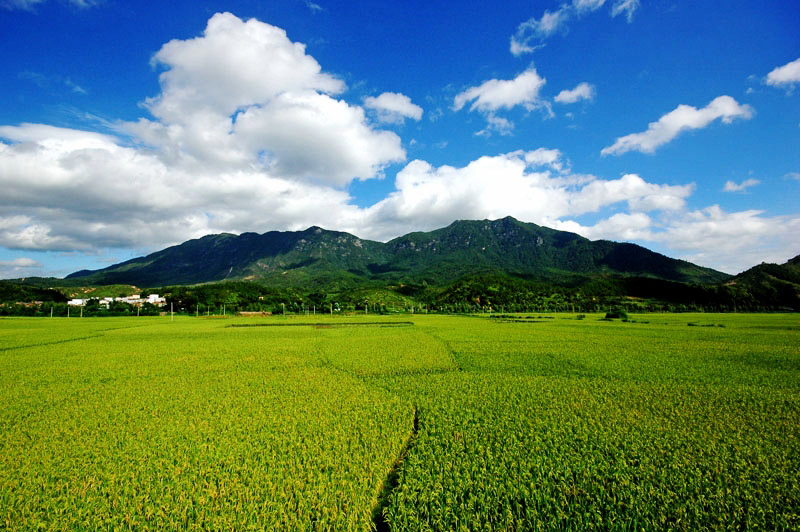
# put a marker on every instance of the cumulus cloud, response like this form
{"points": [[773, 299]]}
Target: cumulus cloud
{"points": [[342, 145], [244, 95], [247, 133], [393, 107], [496, 94], [682, 118], [583, 91], [731, 186], [620, 226], [234, 64], [786, 76], [532, 33], [534, 186], [499, 94], [82, 191], [728, 241], [732, 241], [73, 190], [639, 194]]}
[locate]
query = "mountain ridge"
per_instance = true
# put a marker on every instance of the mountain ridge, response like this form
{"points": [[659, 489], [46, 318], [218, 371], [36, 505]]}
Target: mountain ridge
{"points": [[464, 247]]}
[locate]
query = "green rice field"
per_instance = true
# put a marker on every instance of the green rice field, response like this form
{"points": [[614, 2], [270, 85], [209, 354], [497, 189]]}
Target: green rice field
{"points": [[472, 423]]}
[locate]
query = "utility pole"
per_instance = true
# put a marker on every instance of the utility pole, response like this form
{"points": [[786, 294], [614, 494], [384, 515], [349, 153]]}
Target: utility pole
{"points": [[171, 312]]}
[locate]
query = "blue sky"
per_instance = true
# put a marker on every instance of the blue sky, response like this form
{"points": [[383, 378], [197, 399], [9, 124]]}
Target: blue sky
{"points": [[128, 126]]}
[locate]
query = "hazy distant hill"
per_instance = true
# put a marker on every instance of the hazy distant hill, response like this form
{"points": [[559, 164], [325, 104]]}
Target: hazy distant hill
{"points": [[465, 247]]}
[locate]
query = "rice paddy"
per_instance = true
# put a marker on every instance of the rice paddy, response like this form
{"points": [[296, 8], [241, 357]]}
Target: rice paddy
{"points": [[669, 422]]}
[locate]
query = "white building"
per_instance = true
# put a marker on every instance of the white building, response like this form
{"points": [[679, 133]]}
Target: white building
{"points": [[135, 300]]}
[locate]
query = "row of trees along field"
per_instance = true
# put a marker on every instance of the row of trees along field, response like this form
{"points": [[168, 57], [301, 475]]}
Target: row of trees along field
{"points": [[483, 293]]}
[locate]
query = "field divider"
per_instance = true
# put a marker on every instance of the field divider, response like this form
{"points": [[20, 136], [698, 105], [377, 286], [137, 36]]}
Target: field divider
{"points": [[392, 480], [98, 334]]}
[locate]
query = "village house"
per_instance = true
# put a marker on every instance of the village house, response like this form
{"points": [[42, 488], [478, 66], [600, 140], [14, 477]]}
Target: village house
{"points": [[135, 300]]}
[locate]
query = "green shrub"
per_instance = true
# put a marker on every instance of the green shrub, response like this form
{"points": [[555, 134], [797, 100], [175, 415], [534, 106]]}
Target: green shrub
{"points": [[617, 314]]}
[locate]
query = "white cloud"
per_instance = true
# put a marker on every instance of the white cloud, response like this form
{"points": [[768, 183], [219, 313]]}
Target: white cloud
{"points": [[727, 241], [247, 134], [682, 118], [29, 5], [731, 186], [22, 262], [496, 124], [535, 30], [393, 107], [793, 175], [26, 5], [639, 194], [341, 145], [735, 241], [582, 6], [234, 64], [583, 91], [533, 186], [545, 157], [620, 226], [85, 193], [50, 82], [785, 76], [625, 7], [19, 267], [75, 87], [244, 96], [532, 33], [498, 94]]}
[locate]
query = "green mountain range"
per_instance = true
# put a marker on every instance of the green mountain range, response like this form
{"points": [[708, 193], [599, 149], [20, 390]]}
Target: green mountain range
{"points": [[466, 247]]}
